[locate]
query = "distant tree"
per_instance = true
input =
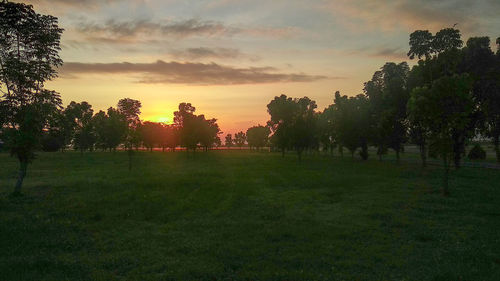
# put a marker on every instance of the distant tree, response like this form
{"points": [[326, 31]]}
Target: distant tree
{"points": [[111, 128], [151, 133], [443, 109], [131, 109], [303, 125], [352, 123], [326, 129], [29, 54], [388, 95], [173, 135], [240, 139], [281, 109], [228, 140], [78, 117], [195, 129], [208, 132], [258, 136]]}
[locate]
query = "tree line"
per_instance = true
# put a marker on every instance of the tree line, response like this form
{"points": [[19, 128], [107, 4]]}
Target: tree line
{"points": [[449, 97]]}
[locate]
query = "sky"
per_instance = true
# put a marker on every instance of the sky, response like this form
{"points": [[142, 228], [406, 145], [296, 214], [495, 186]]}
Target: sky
{"points": [[230, 58]]}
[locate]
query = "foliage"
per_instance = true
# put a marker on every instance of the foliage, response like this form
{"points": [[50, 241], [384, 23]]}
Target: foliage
{"points": [[258, 136], [29, 56]]}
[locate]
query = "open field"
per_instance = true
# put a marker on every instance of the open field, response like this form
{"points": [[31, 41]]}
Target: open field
{"points": [[239, 215]]}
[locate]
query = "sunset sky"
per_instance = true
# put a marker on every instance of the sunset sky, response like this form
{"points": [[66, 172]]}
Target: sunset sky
{"points": [[230, 58]]}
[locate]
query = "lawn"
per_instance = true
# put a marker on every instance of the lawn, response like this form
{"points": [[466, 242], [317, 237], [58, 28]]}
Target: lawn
{"points": [[239, 215]]}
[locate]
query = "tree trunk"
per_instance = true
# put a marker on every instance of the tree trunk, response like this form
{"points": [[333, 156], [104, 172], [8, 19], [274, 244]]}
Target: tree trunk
{"points": [[397, 156], [423, 155], [446, 164], [283, 152], [23, 166]]}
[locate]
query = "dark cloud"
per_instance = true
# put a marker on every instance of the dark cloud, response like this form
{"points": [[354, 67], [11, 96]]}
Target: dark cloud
{"points": [[131, 29], [211, 53], [189, 73]]}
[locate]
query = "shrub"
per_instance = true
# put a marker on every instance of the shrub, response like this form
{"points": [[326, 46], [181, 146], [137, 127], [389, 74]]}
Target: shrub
{"points": [[477, 152]]}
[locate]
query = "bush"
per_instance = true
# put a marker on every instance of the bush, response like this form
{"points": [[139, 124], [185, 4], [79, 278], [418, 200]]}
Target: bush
{"points": [[477, 152]]}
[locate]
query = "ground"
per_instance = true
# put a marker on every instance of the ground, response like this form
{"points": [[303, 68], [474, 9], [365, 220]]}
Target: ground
{"points": [[239, 215]]}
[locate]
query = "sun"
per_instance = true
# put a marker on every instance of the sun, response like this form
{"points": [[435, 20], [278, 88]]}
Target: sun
{"points": [[165, 120]]}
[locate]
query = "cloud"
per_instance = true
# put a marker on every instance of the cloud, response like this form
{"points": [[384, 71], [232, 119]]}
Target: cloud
{"points": [[211, 53], [189, 73], [133, 31]]}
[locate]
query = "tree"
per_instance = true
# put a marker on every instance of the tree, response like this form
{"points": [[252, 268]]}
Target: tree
{"points": [[326, 129], [258, 136], [352, 123], [484, 68], [111, 128], [442, 58], [29, 56], [443, 109], [228, 140], [240, 139], [303, 125], [130, 109], [78, 120], [387, 94], [281, 109], [195, 129]]}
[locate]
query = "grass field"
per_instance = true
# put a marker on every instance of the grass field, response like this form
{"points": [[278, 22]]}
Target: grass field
{"points": [[239, 215]]}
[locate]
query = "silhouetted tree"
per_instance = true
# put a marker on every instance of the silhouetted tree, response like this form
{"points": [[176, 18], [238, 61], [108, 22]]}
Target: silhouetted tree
{"points": [[281, 109], [388, 95], [228, 141], [326, 129], [130, 109], [352, 123], [442, 109], [303, 125], [442, 58], [195, 129], [80, 126], [258, 136], [240, 139], [111, 128], [29, 54], [483, 66]]}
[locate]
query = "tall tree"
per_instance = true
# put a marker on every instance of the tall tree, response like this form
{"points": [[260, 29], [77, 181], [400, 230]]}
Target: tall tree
{"points": [[388, 95], [281, 109], [131, 109], [29, 56], [442, 109]]}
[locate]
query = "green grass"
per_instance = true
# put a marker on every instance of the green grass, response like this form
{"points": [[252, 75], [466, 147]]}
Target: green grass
{"points": [[237, 215]]}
